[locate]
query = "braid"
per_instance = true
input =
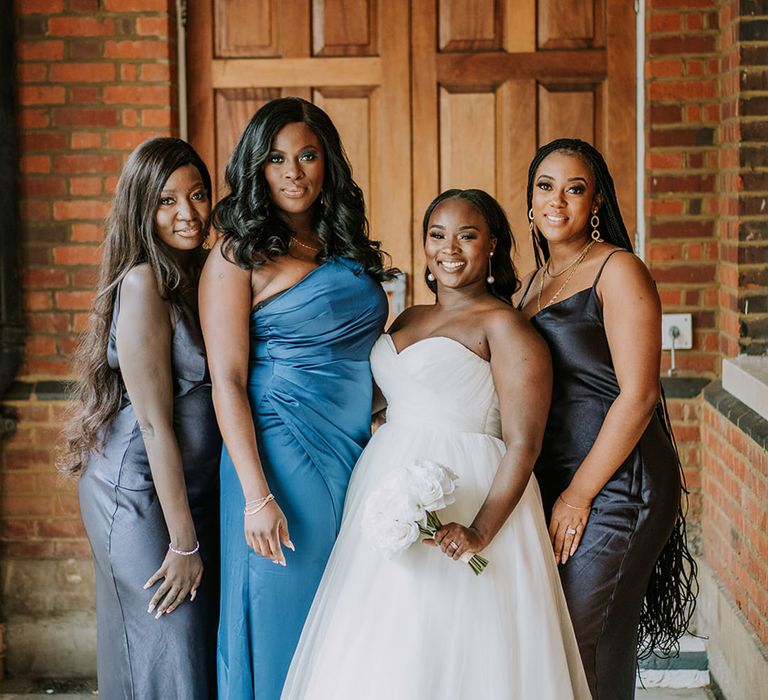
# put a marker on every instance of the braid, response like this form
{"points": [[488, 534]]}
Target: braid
{"points": [[612, 228], [670, 598]]}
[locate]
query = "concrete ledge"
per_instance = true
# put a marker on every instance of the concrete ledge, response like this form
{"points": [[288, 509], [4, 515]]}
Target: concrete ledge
{"points": [[61, 646], [746, 377], [738, 661]]}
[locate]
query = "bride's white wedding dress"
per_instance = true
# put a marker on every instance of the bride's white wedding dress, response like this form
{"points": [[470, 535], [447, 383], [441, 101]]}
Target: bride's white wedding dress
{"points": [[421, 625]]}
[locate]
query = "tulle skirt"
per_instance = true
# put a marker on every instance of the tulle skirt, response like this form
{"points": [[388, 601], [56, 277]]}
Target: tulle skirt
{"points": [[421, 625]]}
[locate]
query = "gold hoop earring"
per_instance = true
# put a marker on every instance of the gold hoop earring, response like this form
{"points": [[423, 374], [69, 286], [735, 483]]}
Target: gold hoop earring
{"points": [[490, 279], [530, 220], [594, 222]]}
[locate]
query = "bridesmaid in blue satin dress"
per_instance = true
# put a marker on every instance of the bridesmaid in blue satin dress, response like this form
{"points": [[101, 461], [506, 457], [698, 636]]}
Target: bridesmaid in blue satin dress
{"points": [[291, 304]]}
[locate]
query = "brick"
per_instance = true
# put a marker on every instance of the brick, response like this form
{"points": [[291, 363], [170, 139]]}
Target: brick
{"points": [[43, 187], [136, 49], [82, 72], [76, 301], [88, 276], [85, 49], [90, 94], [35, 164], [81, 26], [155, 72], [84, 117], [136, 5], [88, 140], [697, 44], [36, 94], [695, 228], [67, 210], [77, 255], [48, 7], [128, 94], [40, 50], [84, 5], [160, 118], [86, 186], [87, 163], [686, 136], [129, 72], [753, 29], [682, 183], [38, 301], [685, 274], [665, 114], [44, 278], [32, 72], [46, 141], [683, 90], [153, 26], [128, 140], [33, 118]]}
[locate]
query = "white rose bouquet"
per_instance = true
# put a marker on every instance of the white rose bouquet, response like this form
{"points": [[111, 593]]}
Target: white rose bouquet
{"points": [[404, 506]]}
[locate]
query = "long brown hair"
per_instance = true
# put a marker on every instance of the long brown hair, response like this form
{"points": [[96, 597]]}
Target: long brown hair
{"points": [[130, 240]]}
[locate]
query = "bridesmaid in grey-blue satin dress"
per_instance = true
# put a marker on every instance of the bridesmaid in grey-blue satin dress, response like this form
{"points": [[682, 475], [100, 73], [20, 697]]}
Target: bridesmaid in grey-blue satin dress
{"points": [[139, 657]]}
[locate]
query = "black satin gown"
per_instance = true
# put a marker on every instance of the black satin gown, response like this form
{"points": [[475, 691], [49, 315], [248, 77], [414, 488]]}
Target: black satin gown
{"points": [[633, 515], [138, 657]]}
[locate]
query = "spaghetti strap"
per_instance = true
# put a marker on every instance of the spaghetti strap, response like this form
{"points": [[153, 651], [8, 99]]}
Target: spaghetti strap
{"points": [[607, 258], [527, 289]]}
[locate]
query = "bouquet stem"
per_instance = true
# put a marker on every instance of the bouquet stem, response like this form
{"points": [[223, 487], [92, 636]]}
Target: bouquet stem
{"points": [[477, 563]]}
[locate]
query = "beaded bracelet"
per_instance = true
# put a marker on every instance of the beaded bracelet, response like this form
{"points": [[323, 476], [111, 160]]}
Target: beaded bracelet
{"points": [[253, 507], [181, 552]]}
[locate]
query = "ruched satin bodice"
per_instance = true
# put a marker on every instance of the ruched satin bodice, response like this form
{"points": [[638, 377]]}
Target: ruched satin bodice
{"points": [[439, 383]]}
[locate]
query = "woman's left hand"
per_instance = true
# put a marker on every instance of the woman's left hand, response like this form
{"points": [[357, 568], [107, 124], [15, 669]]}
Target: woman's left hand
{"points": [[566, 526], [455, 540]]}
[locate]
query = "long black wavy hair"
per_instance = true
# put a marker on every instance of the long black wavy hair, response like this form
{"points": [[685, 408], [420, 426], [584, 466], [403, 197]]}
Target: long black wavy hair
{"points": [[130, 240], [253, 232], [505, 282], [670, 599]]}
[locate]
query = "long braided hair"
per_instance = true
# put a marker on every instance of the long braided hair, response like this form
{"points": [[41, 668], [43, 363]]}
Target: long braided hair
{"points": [[670, 599]]}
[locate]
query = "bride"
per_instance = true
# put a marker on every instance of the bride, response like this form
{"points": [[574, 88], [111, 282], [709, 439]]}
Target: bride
{"points": [[467, 383]]}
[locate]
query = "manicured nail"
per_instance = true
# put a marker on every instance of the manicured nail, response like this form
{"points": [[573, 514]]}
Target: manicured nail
{"points": [[290, 546]]}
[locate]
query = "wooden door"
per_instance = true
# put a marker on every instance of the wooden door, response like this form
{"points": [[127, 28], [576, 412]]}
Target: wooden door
{"points": [[427, 94], [494, 79], [350, 57]]}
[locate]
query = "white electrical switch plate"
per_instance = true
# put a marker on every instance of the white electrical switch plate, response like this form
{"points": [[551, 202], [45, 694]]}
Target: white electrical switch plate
{"points": [[684, 341]]}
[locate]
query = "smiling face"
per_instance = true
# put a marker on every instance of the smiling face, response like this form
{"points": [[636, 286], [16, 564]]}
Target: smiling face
{"points": [[564, 198], [458, 244], [295, 170], [182, 216]]}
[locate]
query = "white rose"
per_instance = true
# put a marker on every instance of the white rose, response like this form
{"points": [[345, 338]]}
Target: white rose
{"points": [[432, 485], [394, 536]]}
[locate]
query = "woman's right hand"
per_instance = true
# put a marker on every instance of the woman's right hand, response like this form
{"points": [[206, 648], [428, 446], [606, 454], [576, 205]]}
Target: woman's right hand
{"points": [[181, 576], [266, 530]]}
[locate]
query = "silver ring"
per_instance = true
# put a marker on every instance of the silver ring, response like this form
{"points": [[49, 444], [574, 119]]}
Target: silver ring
{"points": [[453, 545], [570, 531]]}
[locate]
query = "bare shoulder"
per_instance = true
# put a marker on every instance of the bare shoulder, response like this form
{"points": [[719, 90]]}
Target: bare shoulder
{"points": [[408, 316], [625, 273], [140, 283], [219, 264], [506, 325]]}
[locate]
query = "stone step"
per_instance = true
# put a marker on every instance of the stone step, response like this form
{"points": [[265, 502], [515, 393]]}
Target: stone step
{"points": [[690, 669]]}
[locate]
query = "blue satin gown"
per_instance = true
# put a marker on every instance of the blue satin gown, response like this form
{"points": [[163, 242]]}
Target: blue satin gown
{"points": [[310, 394]]}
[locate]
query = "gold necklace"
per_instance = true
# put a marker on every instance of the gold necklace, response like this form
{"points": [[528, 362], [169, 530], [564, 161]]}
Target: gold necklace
{"points": [[573, 262], [574, 266], [304, 245]]}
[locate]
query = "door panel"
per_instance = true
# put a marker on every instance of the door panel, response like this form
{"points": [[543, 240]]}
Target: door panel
{"points": [[426, 94]]}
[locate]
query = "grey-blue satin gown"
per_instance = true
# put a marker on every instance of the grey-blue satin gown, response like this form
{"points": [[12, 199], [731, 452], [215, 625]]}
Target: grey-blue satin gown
{"points": [[140, 658], [310, 389], [633, 515]]}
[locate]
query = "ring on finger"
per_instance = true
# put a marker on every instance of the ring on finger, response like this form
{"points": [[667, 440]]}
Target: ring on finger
{"points": [[570, 531], [453, 546]]}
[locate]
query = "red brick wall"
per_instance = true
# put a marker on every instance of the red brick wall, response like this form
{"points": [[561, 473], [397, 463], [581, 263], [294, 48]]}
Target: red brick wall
{"points": [[682, 113], [735, 520], [94, 80]]}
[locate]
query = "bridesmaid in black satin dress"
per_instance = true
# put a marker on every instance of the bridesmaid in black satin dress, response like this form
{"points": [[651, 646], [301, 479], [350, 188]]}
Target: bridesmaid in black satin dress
{"points": [[609, 471]]}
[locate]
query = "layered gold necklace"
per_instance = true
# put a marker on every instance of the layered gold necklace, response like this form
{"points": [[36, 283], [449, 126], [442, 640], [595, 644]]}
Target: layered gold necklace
{"points": [[572, 266]]}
